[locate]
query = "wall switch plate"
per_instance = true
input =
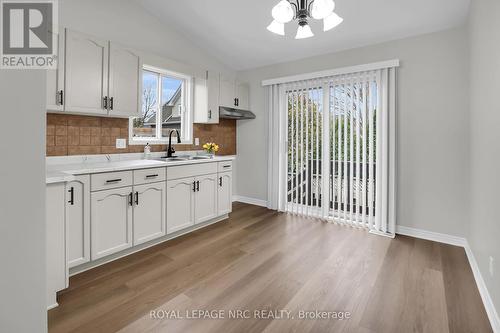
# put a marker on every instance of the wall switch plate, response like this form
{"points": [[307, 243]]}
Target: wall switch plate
{"points": [[492, 266], [196, 141], [121, 143]]}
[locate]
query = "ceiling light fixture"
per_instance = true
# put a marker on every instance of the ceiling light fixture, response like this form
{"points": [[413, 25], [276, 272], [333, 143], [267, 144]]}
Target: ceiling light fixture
{"points": [[302, 10]]}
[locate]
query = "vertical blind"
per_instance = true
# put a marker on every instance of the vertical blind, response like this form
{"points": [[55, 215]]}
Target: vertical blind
{"points": [[336, 149]]}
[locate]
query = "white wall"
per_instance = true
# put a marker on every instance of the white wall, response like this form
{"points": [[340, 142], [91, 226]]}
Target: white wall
{"points": [[128, 23], [484, 230], [432, 125], [22, 201]]}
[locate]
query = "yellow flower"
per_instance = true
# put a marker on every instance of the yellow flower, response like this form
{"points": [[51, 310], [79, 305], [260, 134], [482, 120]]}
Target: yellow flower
{"points": [[216, 148]]}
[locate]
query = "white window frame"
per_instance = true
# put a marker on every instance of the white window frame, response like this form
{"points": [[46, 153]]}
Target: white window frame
{"points": [[186, 112]]}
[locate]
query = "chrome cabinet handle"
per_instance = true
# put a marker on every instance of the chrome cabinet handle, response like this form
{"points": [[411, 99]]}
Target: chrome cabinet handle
{"points": [[110, 181], [152, 176], [137, 198]]}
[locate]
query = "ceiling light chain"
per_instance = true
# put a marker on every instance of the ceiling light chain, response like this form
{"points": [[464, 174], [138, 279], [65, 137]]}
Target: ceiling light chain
{"points": [[302, 10]]}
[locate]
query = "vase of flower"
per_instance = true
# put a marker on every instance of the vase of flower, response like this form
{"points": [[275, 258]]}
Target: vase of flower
{"points": [[211, 148]]}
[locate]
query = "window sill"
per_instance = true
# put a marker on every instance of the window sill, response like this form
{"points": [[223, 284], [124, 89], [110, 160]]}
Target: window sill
{"points": [[156, 142]]}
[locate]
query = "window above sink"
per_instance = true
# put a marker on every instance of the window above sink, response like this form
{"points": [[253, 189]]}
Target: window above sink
{"points": [[166, 104]]}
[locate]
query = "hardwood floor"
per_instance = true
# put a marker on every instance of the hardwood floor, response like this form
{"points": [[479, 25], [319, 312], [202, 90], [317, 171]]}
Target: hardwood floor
{"points": [[262, 260]]}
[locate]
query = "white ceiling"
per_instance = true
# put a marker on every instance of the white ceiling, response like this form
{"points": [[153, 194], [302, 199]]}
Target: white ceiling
{"points": [[234, 31]]}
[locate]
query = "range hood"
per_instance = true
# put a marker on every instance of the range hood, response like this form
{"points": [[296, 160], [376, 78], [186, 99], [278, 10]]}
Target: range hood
{"points": [[231, 113]]}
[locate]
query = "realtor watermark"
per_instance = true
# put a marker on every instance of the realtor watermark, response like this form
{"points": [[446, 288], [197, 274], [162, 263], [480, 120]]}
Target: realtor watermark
{"points": [[28, 34], [279, 314]]}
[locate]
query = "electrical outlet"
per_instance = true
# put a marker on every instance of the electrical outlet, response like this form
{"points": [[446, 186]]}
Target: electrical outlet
{"points": [[492, 266], [121, 143], [196, 141]]}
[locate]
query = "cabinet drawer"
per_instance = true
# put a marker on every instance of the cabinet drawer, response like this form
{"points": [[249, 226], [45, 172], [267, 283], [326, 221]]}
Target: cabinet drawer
{"points": [[108, 180], [225, 166], [191, 170], [146, 176]]}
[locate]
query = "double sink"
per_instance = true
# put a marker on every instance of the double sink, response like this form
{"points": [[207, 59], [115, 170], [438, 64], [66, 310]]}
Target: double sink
{"points": [[183, 158]]}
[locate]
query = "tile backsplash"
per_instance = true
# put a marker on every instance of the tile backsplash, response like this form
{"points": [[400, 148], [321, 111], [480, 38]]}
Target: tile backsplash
{"points": [[87, 135]]}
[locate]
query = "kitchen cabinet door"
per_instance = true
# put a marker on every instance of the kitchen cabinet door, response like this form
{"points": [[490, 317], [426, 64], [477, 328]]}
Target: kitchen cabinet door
{"points": [[180, 207], [86, 71], [111, 221], [227, 92], [242, 95], [56, 269], [124, 81], [206, 99], [224, 193], [206, 198], [55, 78], [78, 220], [149, 212]]}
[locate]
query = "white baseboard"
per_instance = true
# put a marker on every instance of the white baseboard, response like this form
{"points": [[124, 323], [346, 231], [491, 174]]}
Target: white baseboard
{"points": [[431, 235], [483, 290], [462, 242], [250, 201]]}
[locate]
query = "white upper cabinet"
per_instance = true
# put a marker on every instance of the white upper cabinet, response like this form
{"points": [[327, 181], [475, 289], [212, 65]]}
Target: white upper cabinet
{"points": [[149, 212], [94, 76], [206, 98], [242, 96], [78, 220], [206, 198], [124, 84], [233, 94], [55, 79], [224, 193], [180, 204], [86, 73], [111, 221], [227, 92]]}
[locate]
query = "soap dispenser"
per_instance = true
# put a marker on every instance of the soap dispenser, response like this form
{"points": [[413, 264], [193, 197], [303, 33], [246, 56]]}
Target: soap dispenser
{"points": [[147, 151]]}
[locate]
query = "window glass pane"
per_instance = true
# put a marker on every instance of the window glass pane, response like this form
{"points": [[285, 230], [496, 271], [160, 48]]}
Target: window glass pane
{"points": [[145, 126], [171, 104]]}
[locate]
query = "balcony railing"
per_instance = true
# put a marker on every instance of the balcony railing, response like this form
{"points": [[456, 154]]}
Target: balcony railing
{"points": [[305, 186]]}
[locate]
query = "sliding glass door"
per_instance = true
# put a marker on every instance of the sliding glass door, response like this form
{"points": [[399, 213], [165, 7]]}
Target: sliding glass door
{"points": [[331, 130]]}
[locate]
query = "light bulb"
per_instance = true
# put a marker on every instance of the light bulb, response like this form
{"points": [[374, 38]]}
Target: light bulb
{"points": [[277, 28], [331, 21], [304, 31], [322, 8], [283, 12]]}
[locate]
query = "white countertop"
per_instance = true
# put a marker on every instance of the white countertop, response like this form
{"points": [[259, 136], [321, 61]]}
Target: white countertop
{"points": [[64, 172]]}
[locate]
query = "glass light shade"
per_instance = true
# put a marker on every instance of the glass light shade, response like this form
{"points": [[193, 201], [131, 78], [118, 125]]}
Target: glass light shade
{"points": [[277, 28], [304, 31], [331, 21], [283, 12], [322, 8]]}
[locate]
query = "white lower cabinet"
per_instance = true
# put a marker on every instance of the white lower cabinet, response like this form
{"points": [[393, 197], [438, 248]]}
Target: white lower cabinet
{"points": [[56, 270], [111, 221], [180, 204], [225, 193], [78, 220], [149, 212], [205, 202]]}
